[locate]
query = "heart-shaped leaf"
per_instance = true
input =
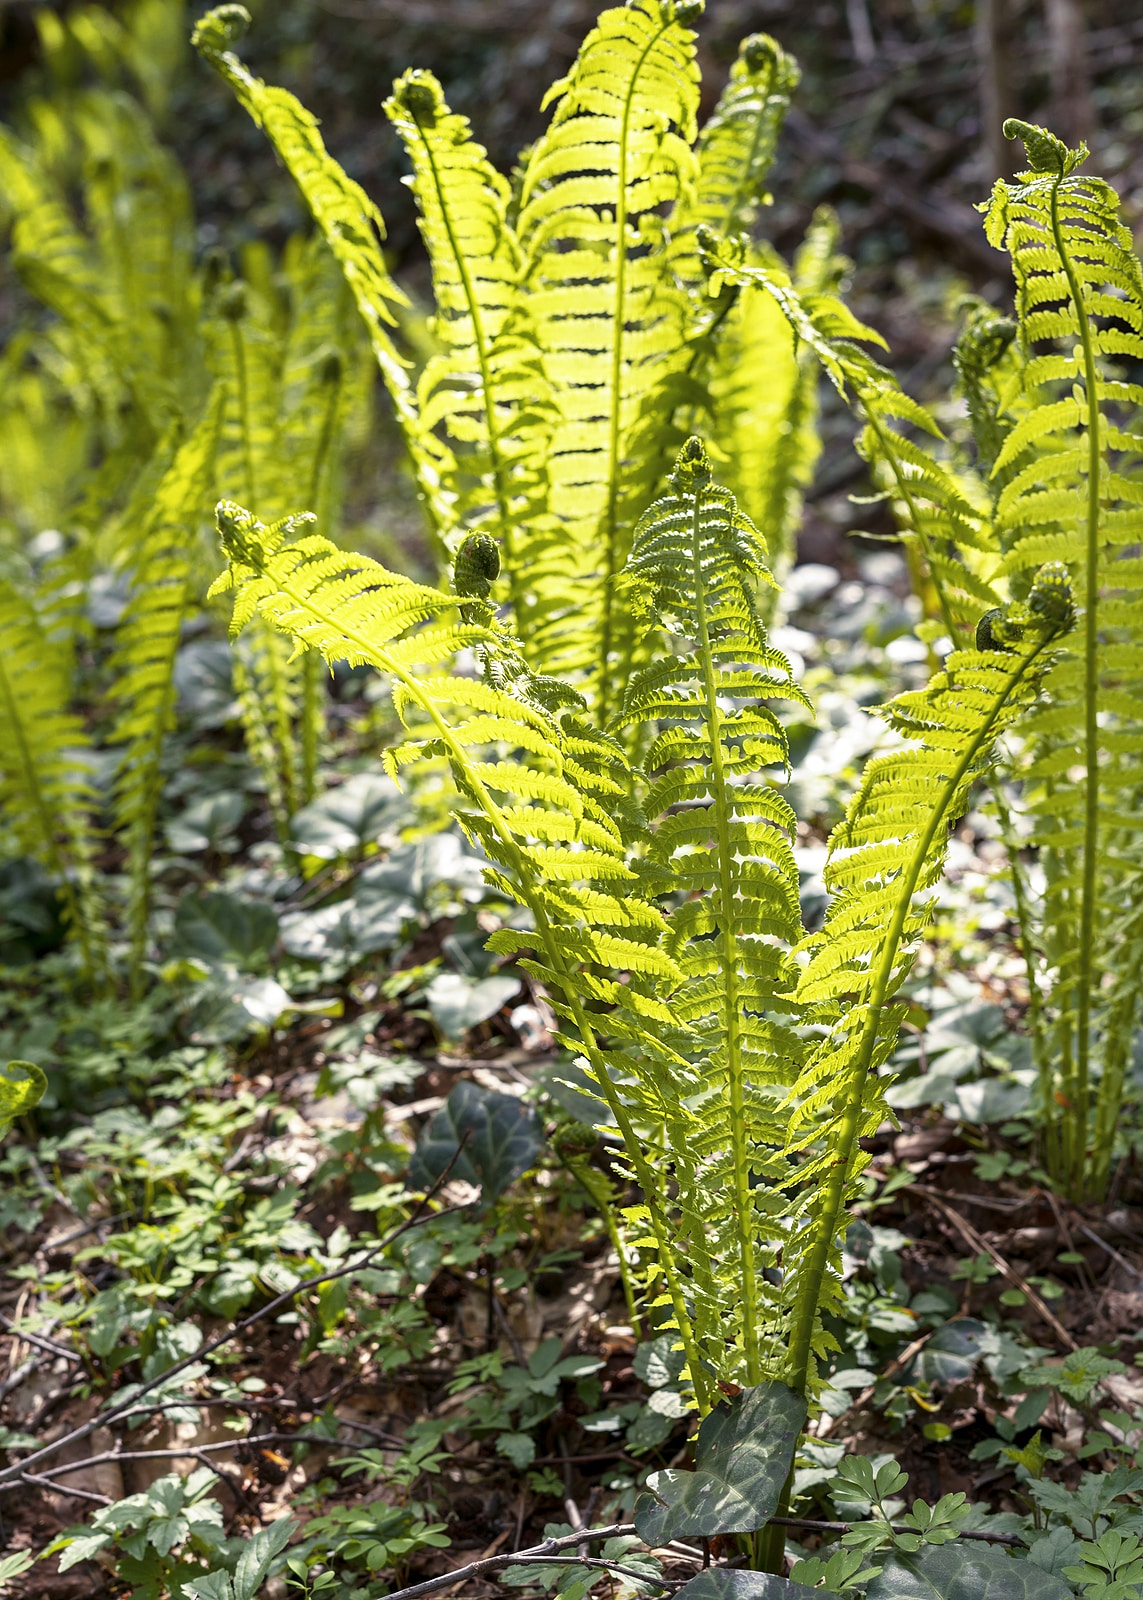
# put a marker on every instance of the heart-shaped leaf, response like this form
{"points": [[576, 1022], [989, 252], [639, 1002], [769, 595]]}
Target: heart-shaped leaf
{"points": [[503, 1140], [951, 1354], [458, 1002], [360, 811], [223, 930], [962, 1570], [743, 1455], [728, 1583], [22, 1086]]}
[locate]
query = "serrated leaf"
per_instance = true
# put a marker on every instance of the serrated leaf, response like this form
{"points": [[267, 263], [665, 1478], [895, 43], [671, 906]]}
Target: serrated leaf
{"points": [[503, 1140], [964, 1571], [743, 1455]]}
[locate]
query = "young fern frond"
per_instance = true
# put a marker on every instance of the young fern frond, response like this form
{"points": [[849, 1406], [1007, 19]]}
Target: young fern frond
{"points": [[487, 385], [936, 515], [722, 839], [885, 861], [738, 141], [46, 791], [764, 426], [606, 308], [1071, 494], [146, 646], [350, 223]]}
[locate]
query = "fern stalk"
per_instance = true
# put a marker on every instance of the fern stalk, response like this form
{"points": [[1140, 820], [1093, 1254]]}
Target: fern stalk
{"points": [[1091, 696], [731, 1007]]}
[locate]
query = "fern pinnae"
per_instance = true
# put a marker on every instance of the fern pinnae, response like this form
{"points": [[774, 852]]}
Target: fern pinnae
{"points": [[889, 847], [500, 423], [722, 836], [598, 274], [1066, 495], [738, 141], [44, 787], [350, 223]]}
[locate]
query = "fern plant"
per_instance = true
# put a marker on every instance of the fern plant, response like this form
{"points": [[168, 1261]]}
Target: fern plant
{"points": [[577, 345], [1053, 413], [151, 387], [737, 1056]]}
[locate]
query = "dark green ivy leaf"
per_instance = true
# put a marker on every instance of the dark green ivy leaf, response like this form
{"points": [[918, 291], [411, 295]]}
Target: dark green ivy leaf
{"points": [[742, 1459], [504, 1139], [964, 1571], [727, 1583], [223, 930]]}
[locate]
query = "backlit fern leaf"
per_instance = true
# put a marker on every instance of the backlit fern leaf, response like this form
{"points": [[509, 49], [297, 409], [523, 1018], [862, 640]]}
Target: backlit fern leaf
{"points": [[723, 841], [487, 386], [46, 791], [885, 861], [1071, 493], [738, 141], [547, 822], [607, 311], [939, 521], [350, 223]]}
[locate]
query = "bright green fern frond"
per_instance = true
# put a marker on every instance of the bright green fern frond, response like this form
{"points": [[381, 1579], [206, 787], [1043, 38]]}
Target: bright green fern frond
{"points": [[350, 223], [935, 513], [1071, 493], [487, 386], [548, 823], [885, 860], [724, 839], [607, 311], [737, 143]]}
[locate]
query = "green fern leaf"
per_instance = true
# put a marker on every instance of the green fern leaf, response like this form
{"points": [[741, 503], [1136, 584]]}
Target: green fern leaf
{"points": [[146, 643], [885, 861], [349, 221], [606, 309]]}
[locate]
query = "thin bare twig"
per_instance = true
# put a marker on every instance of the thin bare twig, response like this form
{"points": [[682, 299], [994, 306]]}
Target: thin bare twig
{"points": [[38, 1339], [537, 1553], [977, 1242], [12, 1474]]}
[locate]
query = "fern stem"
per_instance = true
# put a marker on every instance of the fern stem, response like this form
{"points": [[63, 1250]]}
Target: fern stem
{"points": [[744, 1204], [1027, 951], [619, 325], [238, 347], [883, 438], [829, 1215], [1091, 709], [499, 471]]}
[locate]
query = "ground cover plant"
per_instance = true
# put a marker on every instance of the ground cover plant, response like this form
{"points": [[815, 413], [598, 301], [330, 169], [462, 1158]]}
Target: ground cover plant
{"points": [[499, 1052]]}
